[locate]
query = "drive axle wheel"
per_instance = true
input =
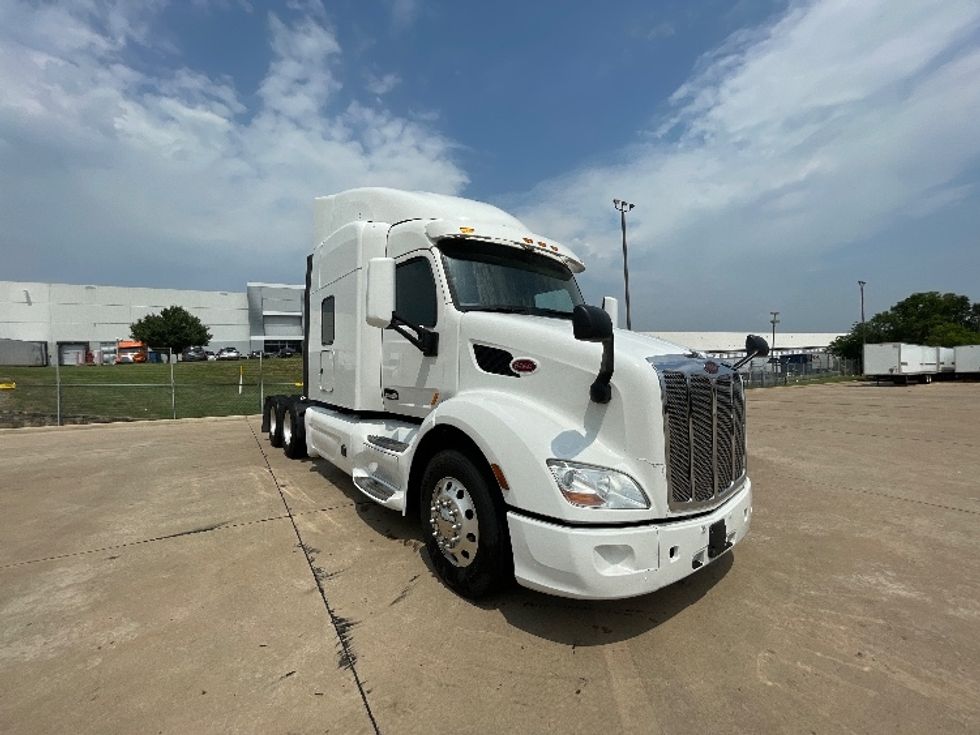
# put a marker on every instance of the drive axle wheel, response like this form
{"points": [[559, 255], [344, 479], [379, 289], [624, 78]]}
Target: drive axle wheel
{"points": [[464, 525], [275, 423], [294, 430]]}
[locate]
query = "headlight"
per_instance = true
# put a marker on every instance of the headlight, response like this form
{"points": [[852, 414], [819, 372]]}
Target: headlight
{"points": [[596, 487]]}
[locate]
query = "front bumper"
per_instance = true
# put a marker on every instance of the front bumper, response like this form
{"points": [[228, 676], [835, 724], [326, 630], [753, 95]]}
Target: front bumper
{"points": [[611, 563]]}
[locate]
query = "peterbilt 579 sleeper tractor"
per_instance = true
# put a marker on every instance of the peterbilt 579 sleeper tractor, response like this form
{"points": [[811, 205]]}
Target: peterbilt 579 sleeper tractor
{"points": [[452, 368]]}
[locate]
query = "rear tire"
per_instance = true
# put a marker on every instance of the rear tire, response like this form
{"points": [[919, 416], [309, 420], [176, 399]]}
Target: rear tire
{"points": [[266, 413], [465, 526], [275, 422], [294, 430]]}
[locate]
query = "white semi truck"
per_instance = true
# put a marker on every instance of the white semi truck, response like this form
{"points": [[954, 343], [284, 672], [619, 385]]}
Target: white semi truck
{"points": [[452, 368]]}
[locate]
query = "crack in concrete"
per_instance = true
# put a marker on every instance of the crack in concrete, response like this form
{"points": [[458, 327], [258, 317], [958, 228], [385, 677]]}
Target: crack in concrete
{"points": [[341, 625], [204, 529]]}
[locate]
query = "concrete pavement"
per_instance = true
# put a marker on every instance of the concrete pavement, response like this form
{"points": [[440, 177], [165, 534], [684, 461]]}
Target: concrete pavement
{"points": [[152, 578]]}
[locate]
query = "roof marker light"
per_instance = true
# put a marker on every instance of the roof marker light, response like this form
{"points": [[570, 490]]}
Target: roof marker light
{"points": [[528, 240], [467, 230]]}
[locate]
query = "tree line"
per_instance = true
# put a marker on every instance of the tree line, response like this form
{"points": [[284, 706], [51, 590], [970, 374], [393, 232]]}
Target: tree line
{"points": [[928, 318]]}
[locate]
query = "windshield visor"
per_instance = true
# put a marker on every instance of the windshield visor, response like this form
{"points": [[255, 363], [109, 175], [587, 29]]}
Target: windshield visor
{"points": [[487, 277]]}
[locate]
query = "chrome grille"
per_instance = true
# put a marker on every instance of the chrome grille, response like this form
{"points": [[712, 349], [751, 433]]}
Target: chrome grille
{"points": [[704, 425]]}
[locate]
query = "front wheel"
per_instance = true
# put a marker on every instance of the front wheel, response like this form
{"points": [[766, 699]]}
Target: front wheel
{"points": [[465, 526]]}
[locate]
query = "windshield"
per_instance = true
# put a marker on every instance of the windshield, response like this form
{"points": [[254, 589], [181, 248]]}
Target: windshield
{"points": [[486, 277]]}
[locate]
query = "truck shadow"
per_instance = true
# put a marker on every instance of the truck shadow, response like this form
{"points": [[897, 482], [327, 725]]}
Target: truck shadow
{"points": [[568, 622], [585, 623]]}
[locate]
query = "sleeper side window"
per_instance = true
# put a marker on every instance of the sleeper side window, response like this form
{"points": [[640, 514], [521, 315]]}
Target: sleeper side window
{"points": [[415, 292], [327, 320]]}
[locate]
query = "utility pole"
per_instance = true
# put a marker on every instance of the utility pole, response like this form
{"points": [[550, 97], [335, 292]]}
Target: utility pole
{"points": [[772, 348], [624, 207]]}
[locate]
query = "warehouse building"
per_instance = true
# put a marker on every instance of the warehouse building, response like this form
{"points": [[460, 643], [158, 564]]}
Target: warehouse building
{"points": [[72, 320]]}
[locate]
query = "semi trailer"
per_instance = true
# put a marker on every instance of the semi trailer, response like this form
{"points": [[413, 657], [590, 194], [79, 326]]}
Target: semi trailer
{"points": [[900, 362], [967, 360], [454, 371]]}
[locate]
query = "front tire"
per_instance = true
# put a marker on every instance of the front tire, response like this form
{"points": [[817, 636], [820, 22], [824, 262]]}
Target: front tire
{"points": [[465, 526]]}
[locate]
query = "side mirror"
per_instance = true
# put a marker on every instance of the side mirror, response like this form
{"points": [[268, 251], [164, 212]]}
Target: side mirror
{"points": [[380, 291], [610, 305], [754, 344], [591, 324]]}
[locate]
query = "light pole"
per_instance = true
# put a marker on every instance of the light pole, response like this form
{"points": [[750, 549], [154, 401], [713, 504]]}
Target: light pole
{"points": [[864, 338], [624, 207], [862, 284], [772, 348]]}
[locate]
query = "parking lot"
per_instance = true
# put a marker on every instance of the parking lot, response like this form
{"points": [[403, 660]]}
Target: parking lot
{"points": [[181, 576]]}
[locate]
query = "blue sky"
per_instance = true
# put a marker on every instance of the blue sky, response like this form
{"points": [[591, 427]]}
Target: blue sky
{"points": [[777, 152]]}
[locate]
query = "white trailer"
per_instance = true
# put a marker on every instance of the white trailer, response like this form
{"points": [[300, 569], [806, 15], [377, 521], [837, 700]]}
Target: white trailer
{"points": [[967, 358], [454, 371], [945, 359], [900, 362]]}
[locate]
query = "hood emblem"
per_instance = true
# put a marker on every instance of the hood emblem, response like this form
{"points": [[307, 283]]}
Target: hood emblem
{"points": [[523, 366], [710, 367]]}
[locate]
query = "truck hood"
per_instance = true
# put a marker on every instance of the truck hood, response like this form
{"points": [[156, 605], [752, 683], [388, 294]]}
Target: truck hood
{"points": [[549, 410], [550, 337]]}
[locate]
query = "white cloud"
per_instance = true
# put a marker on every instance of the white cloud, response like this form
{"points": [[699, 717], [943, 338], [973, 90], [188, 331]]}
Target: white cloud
{"points": [[802, 136], [404, 13], [382, 85], [103, 163]]}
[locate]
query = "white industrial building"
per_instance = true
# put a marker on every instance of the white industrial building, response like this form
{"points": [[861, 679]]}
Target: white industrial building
{"points": [[732, 344], [72, 319]]}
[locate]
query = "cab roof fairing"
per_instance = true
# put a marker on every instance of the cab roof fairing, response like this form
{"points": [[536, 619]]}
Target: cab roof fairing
{"points": [[444, 229]]}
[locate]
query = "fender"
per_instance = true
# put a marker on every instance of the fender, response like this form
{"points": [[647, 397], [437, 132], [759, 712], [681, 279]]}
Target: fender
{"points": [[490, 419]]}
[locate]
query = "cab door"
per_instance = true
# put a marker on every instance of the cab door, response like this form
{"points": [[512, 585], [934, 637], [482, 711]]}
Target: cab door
{"points": [[327, 375], [411, 383]]}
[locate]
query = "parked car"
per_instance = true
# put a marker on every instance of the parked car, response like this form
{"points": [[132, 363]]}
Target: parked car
{"points": [[255, 354], [194, 354], [287, 352], [228, 353]]}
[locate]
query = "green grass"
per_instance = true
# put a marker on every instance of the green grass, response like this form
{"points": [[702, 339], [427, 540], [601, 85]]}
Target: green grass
{"points": [[92, 393]]}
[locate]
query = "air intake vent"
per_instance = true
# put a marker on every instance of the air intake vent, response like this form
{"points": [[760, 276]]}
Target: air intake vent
{"points": [[494, 360]]}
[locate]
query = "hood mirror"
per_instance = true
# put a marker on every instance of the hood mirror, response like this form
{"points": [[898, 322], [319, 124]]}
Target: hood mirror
{"points": [[755, 346], [592, 324]]}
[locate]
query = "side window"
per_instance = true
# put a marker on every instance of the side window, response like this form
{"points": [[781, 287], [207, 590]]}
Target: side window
{"points": [[415, 292], [327, 320]]}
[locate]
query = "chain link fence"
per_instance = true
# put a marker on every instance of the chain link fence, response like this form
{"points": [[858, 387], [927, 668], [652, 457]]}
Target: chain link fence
{"points": [[815, 369], [88, 393], [92, 393]]}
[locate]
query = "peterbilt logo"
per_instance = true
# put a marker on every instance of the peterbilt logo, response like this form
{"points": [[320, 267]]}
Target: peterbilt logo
{"points": [[711, 367]]}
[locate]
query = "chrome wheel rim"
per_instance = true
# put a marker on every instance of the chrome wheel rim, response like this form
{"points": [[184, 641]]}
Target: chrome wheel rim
{"points": [[453, 522], [287, 429], [273, 423]]}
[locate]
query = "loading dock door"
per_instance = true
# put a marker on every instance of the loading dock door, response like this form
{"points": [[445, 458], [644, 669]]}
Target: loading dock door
{"points": [[72, 353]]}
